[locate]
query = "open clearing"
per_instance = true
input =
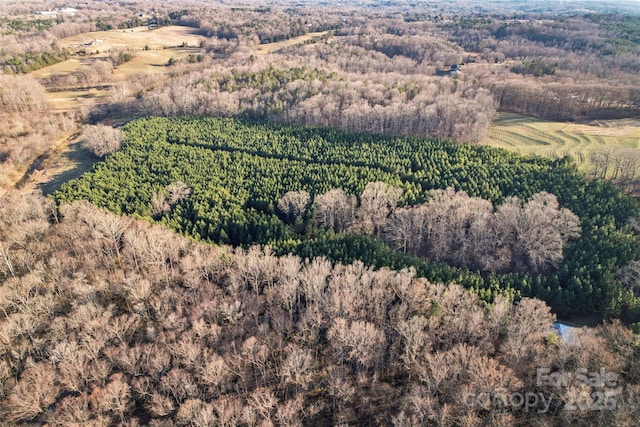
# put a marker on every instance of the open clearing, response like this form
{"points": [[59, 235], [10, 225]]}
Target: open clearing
{"points": [[76, 99], [134, 38], [162, 44], [70, 163], [153, 49], [152, 61], [60, 69], [528, 135]]}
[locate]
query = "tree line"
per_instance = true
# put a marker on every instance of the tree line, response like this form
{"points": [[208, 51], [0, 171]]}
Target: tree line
{"points": [[557, 66], [450, 227], [314, 97], [384, 74]]}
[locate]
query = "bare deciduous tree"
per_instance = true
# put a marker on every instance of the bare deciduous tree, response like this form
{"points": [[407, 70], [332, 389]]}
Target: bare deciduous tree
{"points": [[405, 229], [21, 93], [601, 159], [263, 401], [215, 374], [416, 342], [540, 228], [359, 342], [102, 140], [294, 204], [160, 405], [163, 201], [34, 393], [159, 205], [376, 202], [114, 398], [289, 414], [334, 209], [195, 412], [313, 279], [530, 322], [228, 410], [178, 384], [297, 367]]}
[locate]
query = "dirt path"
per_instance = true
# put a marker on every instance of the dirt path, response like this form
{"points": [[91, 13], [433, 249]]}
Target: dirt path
{"points": [[64, 156]]}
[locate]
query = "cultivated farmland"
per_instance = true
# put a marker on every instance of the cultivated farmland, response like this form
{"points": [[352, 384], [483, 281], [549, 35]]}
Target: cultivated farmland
{"points": [[531, 136]]}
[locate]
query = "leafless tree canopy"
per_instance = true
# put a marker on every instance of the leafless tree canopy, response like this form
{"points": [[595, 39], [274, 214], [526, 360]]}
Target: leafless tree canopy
{"points": [[162, 201], [334, 209], [294, 204], [101, 139], [466, 231], [21, 93], [106, 320], [109, 320], [457, 229], [376, 203]]}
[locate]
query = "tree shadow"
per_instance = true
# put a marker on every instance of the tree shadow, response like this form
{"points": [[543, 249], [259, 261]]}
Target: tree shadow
{"points": [[71, 164]]}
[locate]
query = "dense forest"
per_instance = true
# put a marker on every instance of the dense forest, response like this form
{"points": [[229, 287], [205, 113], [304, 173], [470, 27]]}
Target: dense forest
{"points": [[289, 217], [384, 74], [107, 320], [223, 181]]}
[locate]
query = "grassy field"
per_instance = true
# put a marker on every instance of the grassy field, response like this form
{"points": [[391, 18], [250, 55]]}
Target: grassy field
{"points": [[152, 61], [134, 38], [75, 99], [69, 163], [162, 44], [528, 135], [153, 50]]}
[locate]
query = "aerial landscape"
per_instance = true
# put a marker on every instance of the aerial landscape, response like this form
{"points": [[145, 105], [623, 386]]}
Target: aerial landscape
{"points": [[297, 213]]}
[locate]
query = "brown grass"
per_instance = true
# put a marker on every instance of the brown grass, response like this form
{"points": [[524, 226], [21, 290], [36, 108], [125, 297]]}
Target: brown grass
{"points": [[75, 99], [69, 66], [163, 43], [152, 61], [134, 38]]}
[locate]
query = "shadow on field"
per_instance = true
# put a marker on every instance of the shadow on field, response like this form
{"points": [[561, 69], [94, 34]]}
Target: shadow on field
{"points": [[71, 164]]}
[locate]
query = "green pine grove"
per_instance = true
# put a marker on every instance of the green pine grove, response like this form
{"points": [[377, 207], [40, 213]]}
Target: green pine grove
{"points": [[238, 169]]}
